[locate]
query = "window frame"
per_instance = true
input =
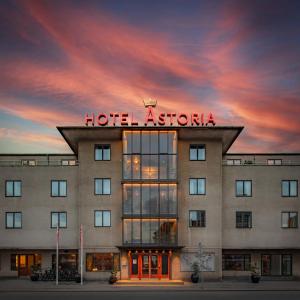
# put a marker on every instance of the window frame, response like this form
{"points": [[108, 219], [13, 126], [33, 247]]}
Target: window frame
{"points": [[233, 160], [197, 194], [243, 195], [58, 219], [14, 213], [102, 149], [95, 179], [201, 212], [13, 181], [243, 227], [59, 181], [244, 255], [197, 146], [289, 181], [102, 211], [290, 212]]}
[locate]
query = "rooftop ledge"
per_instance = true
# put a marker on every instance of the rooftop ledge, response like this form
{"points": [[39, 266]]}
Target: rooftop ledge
{"points": [[74, 134]]}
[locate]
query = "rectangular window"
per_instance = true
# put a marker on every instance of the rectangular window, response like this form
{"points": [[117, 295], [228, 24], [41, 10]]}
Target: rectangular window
{"points": [[97, 262], [58, 188], [274, 162], [197, 218], [13, 220], [102, 186], [197, 152], [243, 219], [102, 152], [14, 262], [68, 162], [102, 218], [58, 219], [289, 219], [276, 265], [27, 162], [289, 188], [13, 188], [243, 188], [197, 186], [234, 162], [236, 262]]}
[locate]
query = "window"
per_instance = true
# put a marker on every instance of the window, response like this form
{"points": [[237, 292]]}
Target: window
{"points": [[58, 188], [26, 162], [289, 188], [68, 162], [276, 265], [102, 152], [13, 188], [236, 262], [243, 219], [197, 152], [14, 262], [243, 188], [274, 162], [197, 186], [59, 219], [97, 262], [102, 218], [289, 219], [234, 162], [197, 218], [67, 261], [102, 186], [13, 220]]}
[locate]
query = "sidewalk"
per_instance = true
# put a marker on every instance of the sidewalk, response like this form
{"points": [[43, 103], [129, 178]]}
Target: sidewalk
{"points": [[25, 285]]}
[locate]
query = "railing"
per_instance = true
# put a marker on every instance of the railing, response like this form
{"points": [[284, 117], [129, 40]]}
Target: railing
{"points": [[260, 163], [33, 163]]}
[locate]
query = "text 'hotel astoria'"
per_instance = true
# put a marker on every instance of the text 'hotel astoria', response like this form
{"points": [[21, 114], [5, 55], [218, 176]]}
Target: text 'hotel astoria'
{"points": [[147, 193]]}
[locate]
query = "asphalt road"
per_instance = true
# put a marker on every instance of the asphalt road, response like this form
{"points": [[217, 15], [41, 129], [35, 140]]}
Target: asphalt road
{"points": [[153, 295]]}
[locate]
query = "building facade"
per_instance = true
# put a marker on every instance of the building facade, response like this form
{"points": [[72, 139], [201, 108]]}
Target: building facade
{"points": [[151, 202]]}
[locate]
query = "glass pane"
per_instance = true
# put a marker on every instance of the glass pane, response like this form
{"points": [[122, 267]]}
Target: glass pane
{"points": [[154, 142], [127, 166], [63, 188], [201, 153], [239, 188], [293, 188], [106, 152], [172, 167], [172, 142], [106, 186], [275, 265], [145, 142], [54, 188], [285, 220], [98, 153], [193, 186], [136, 162], [172, 199], [127, 231], [164, 199], [153, 168], [201, 186], [154, 234], [146, 199], [163, 162], [285, 188], [9, 220], [266, 264], [127, 196], [18, 220], [163, 142], [278, 162], [98, 187], [154, 200], [127, 142], [293, 220], [146, 238], [106, 218], [17, 186], [247, 188], [9, 188], [136, 199], [193, 218], [193, 152], [54, 219], [145, 166], [136, 142], [136, 231], [98, 218], [286, 265], [62, 220]]}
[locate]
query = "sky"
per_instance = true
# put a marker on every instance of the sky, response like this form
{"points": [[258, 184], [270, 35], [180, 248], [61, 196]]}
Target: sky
{"points": [[239, 60]]}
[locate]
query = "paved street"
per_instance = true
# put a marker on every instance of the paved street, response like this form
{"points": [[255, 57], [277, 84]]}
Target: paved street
{"points": [[149, 295]]}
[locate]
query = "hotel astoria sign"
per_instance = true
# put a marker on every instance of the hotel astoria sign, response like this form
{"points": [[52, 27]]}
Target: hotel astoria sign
{"points": [[151, 118]]}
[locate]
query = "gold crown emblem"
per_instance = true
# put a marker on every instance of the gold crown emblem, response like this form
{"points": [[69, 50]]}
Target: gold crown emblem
{"points": [[149, 102]]}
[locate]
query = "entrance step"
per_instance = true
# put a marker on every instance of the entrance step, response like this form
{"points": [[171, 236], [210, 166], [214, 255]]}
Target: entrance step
{"points": [[153, 282]]}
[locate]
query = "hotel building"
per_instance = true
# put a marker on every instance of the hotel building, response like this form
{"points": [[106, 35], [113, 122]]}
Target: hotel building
{"points": [[151, 201]]}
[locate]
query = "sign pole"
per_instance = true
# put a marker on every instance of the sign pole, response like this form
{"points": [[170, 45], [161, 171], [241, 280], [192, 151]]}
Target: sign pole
{"points": [[81, 254], [57, 245]]}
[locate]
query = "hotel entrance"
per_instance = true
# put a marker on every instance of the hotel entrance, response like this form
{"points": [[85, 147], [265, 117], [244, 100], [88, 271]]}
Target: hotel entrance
{"points": [[149, 265]]}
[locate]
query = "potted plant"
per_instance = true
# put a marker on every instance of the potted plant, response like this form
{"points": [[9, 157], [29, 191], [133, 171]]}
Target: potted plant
{"points": [[113, 277], [195, 274], [255, 276]]}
